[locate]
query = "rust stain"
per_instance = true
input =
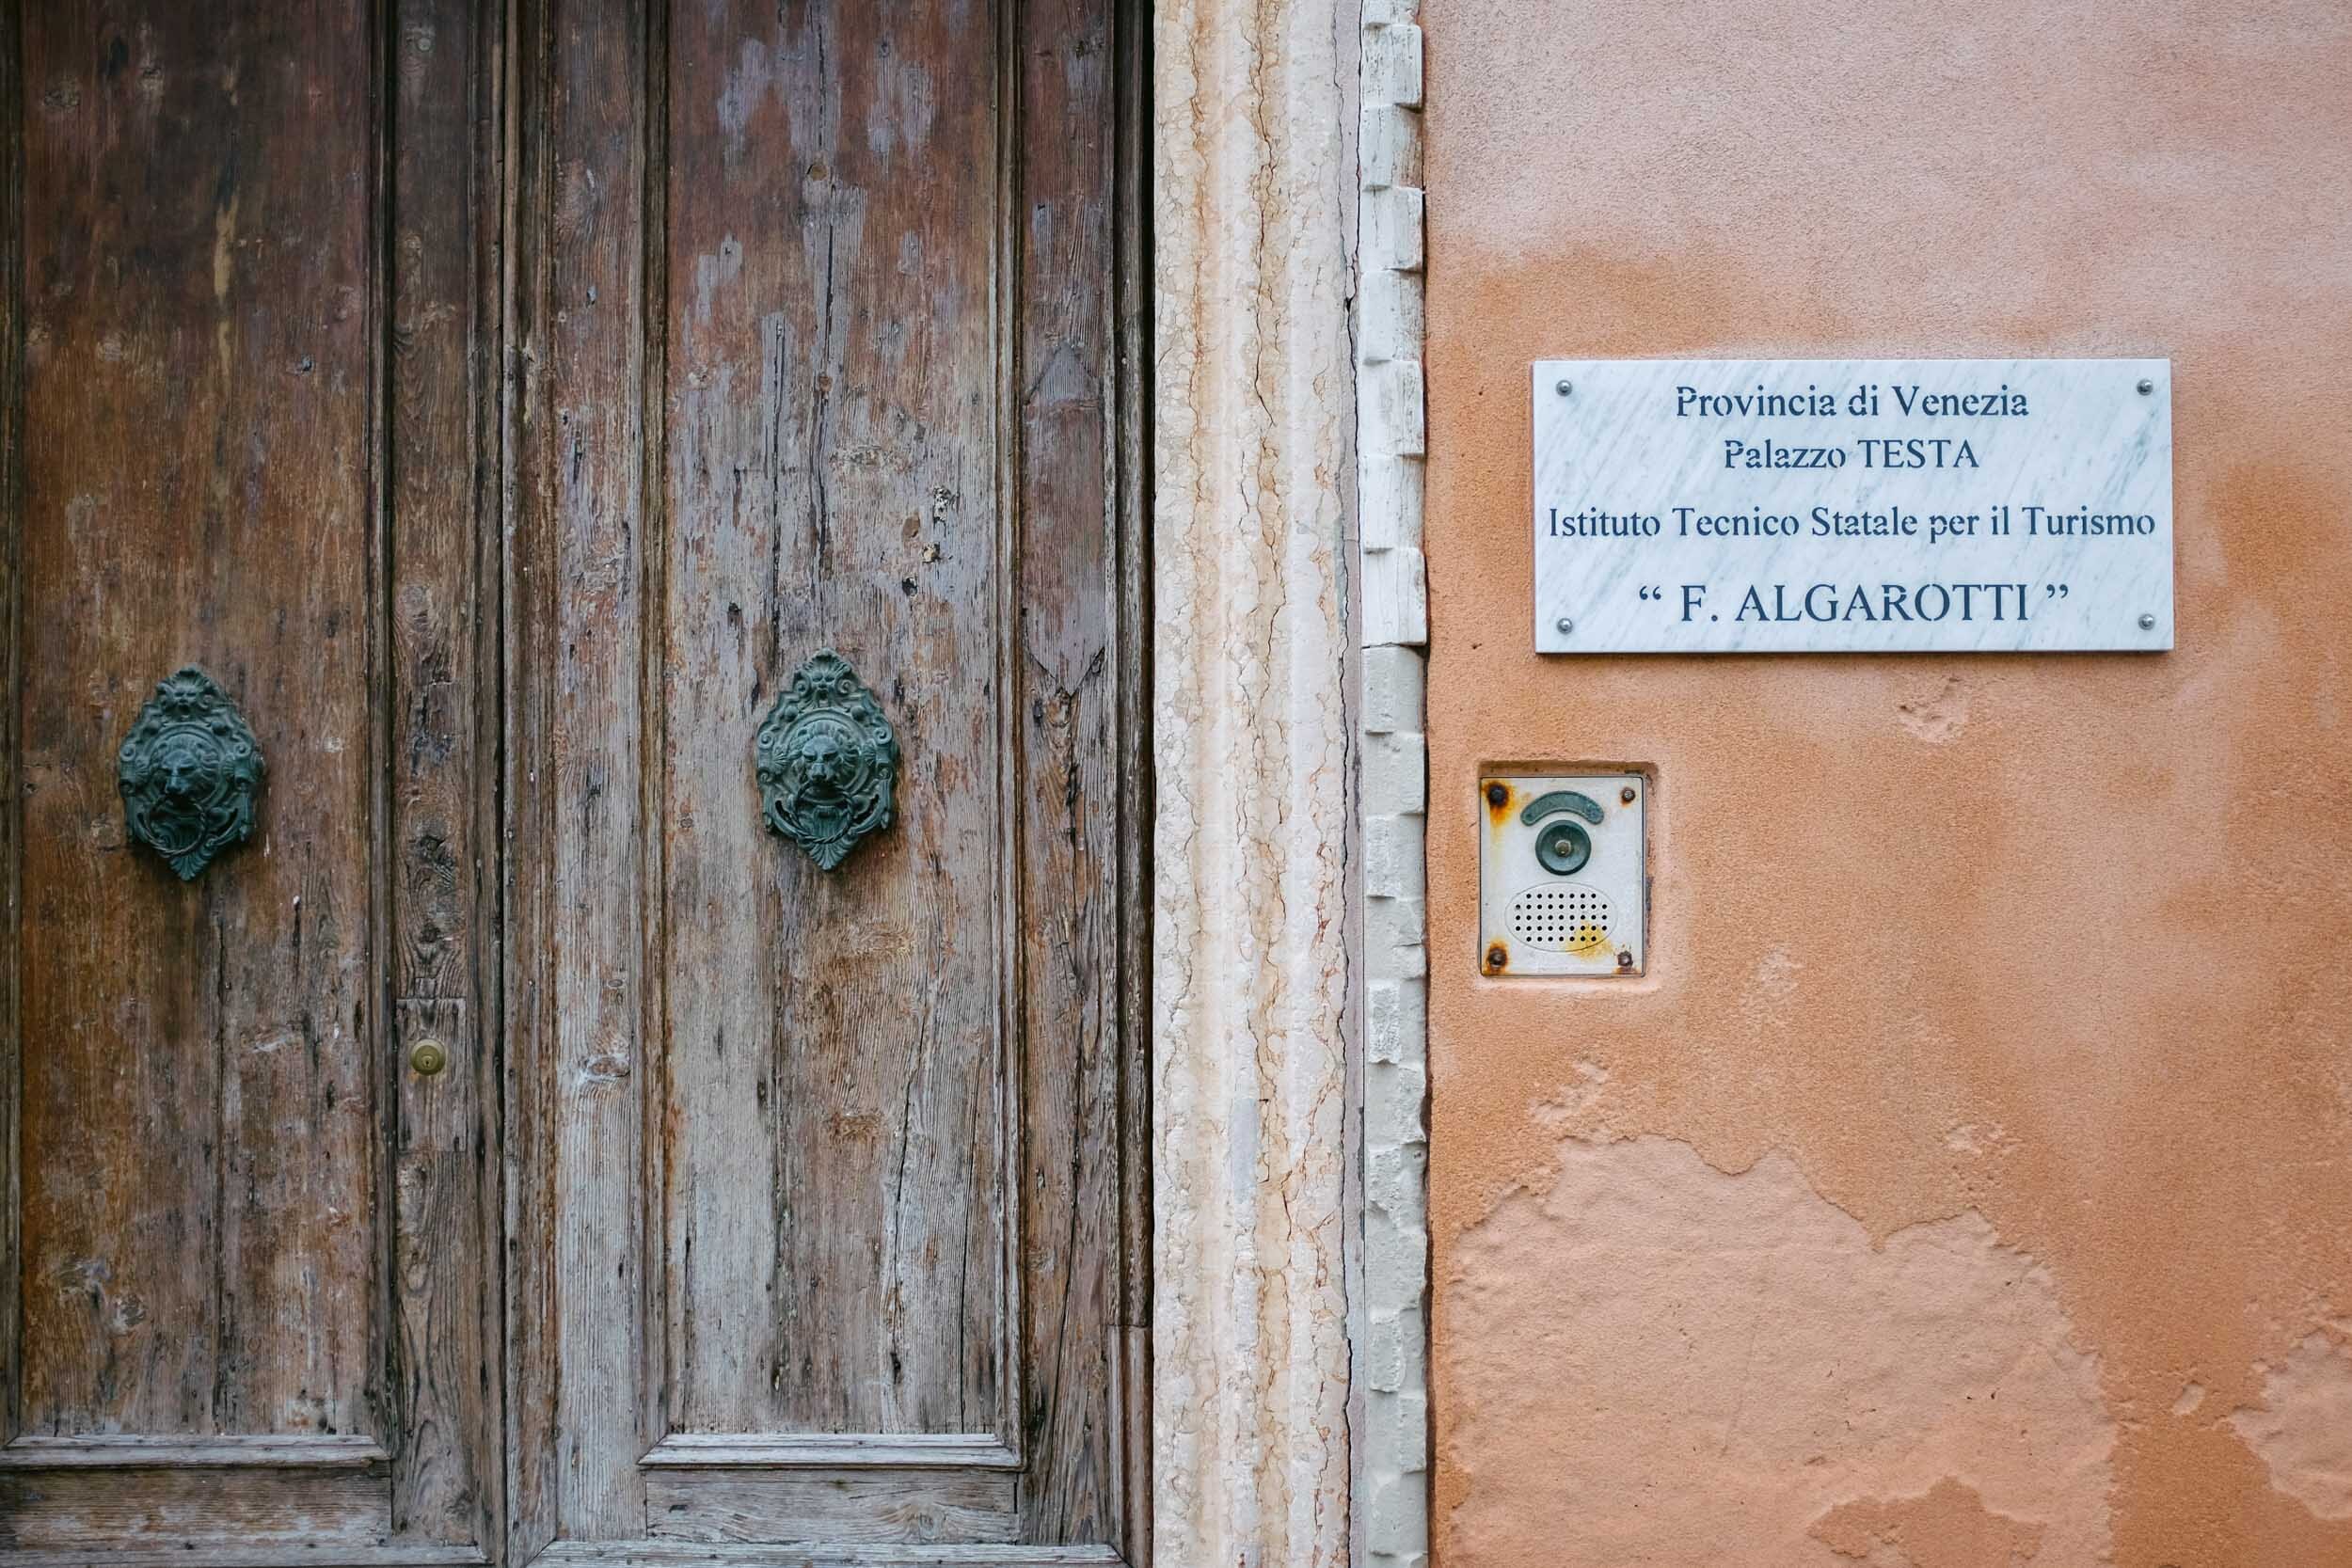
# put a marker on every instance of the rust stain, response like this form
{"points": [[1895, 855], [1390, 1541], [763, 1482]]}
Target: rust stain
{"points": [[1502, 801]]}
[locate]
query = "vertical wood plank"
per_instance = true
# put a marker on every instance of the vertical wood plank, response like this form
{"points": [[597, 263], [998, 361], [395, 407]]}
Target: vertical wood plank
{"points": [[199, 1196], [654, 1103], [1132, 300], [833, 478], [12, 304], [1070, 662], [527, 584], [443, 713], [574, 770]]}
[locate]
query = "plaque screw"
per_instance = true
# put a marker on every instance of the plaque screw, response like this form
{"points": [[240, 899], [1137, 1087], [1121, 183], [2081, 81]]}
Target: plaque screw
{"points": [[1625, 795], [1625, 960], [1496, 956], [2146, 387], [2147, 622], [1564, 625], [1566, 387], [1497, 795]]}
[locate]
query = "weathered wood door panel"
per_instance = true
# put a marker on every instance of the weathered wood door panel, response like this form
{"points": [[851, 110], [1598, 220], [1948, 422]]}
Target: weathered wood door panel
{"points": [[823, 1178], [502, 403], [248, 1291]]}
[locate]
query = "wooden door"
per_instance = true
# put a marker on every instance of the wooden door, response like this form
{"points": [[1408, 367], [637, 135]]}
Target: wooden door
{"points": [[501, 403], [826, 1224], [251, 1288]]}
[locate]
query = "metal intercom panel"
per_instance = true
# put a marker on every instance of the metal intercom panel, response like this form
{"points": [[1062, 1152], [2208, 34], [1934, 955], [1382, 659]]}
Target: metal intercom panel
{"points": [[1563, 874]]}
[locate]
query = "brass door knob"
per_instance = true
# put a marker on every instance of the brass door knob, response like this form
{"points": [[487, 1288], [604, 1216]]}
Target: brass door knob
{"points": [[428, 1057]]}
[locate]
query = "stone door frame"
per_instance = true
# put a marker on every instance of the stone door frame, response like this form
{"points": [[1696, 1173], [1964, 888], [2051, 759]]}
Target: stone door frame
{"points": [[1290, 1241]]}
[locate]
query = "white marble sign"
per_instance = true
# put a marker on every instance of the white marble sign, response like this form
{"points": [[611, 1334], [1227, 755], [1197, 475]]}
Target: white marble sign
{"points": [[1852, 505]]}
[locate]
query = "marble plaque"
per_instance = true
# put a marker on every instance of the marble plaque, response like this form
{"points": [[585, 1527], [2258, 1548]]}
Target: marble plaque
{"points": [[1852, 505]]}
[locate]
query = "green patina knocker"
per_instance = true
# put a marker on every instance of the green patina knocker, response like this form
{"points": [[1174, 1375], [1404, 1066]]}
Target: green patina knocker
{"points": [[188, 771], [828, 761]]}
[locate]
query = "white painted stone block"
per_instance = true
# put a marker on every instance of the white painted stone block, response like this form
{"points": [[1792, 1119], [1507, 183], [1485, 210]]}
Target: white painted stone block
{"points": [[1394, 699]]}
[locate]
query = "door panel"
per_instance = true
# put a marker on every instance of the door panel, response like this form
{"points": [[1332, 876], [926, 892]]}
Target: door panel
{"points": [[501, 403], [832, 473], [248, 1281], [823, 1180]]}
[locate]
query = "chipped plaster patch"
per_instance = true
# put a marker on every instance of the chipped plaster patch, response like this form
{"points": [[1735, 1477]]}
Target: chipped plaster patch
{"points": [[1937, 718], [1776, 973], [1980, 1141], [2303, 1431], [1563, 1113], [1706, 1367], [1947, 1527]]}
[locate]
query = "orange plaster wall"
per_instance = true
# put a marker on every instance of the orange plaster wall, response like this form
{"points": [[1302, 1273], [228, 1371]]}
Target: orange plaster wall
{"points": [[1969, 1184]]}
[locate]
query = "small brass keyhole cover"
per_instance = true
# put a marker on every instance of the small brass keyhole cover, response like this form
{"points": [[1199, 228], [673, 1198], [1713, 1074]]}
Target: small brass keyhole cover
{"points": [[428, 1056]]}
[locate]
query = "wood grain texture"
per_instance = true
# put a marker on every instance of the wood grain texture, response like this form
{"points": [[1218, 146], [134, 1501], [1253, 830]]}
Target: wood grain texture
{"points": [[884, 1118], [260, 1554], [837, 1158], [844, 1508], [12, 313], [196, 1153], [441, 717], [805, 1450], [683, 1553], [527, 579], [525, 880], [118, 1452], [759, 329], [1070, 661], [1132, 293], [188, 1511], [576, 733], [256, 1249]]}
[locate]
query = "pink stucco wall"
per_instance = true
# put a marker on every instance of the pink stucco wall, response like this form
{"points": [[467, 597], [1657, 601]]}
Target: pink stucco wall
{"points": [[1969, 1182]]}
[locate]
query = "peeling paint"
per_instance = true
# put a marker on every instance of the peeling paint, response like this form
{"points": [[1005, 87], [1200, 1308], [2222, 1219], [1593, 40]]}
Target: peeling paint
{"points": [[224, 274], [1775, 1384], [2304, 1428], [903, 108], [1947, 1527], [1566, 1112]]}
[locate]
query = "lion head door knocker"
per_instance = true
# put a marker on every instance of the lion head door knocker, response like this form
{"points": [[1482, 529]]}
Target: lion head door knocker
{"points": [[188, 771], [828, 761]]}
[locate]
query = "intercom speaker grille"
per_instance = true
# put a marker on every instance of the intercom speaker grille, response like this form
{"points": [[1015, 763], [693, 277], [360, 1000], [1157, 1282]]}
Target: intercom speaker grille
{"points": [[1565, 917]]}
